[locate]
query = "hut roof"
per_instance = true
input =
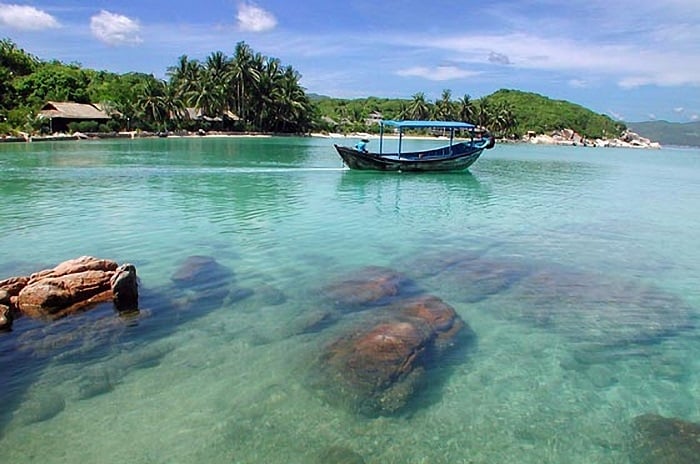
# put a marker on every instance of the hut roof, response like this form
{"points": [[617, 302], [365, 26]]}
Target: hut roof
{"points": [[70, 110], [198, 114]]}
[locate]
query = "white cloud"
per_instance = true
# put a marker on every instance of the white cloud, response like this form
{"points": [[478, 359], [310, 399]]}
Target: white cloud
{"points": [[439, 73], [25, 17], [633, 65], [115, 29], [694, 117], [617, 116], [578, 83], [678, 109], [254, 19]]}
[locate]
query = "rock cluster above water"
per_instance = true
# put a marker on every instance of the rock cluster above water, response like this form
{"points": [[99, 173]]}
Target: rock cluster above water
{"points": [[72, 286], [569, 137]]}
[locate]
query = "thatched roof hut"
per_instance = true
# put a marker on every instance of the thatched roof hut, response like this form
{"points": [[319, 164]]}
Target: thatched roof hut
{"points": [[60, 114]]}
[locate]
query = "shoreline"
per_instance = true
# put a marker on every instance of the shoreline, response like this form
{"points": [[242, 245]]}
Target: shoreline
{"points": [[559, 138]]}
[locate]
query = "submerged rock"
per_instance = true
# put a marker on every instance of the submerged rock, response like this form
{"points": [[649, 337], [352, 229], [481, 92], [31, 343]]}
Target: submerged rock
{"points": [[477, 279], [377, 369], [661, 440], [94, 384], [372, 285], [434, 263], [597, 310], [201, 273], [40, 407]]}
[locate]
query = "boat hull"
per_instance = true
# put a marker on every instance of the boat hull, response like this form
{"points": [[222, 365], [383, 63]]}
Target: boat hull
{"points": [[455, 158]]}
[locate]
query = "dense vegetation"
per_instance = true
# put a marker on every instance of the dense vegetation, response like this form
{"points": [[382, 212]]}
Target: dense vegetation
{"points": [[507, 113], [252, 92], [356, 115], [533, 112], [669, 133], [248, 91]]}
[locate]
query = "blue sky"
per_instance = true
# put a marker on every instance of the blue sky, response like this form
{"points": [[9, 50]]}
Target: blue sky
{"points": [[634, 60]]}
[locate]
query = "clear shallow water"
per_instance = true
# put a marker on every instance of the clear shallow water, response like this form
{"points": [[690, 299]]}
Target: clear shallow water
{"points": [[595, 322]]}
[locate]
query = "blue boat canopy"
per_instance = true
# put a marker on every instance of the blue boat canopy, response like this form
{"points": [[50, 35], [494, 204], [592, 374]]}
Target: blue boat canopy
{"points": [[427, 124]]}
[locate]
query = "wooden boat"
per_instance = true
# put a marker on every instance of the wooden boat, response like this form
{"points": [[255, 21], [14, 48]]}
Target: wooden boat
{"points": [[452, 157]]}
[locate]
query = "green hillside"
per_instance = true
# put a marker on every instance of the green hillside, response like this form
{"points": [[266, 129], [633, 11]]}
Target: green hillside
{"points": [[669, 133], [537, 113], [507, 113]]}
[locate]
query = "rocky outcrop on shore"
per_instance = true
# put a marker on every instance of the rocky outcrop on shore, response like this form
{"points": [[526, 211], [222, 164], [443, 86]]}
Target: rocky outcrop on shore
{"points": [[569, 137], [72, 286]]}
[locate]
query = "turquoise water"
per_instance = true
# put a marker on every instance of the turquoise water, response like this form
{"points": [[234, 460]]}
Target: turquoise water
{"points": [[579, 280]]}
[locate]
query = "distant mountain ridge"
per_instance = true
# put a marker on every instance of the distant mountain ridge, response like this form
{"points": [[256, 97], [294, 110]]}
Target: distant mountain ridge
{"points": [[669, 133]]}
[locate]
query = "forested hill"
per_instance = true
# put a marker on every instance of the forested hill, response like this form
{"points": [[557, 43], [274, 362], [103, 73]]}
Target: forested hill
{"points": [[508, 113], [534, 112], [669, 133]]}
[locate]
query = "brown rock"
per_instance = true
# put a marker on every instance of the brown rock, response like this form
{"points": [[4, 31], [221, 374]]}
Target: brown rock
{"points": [[6, 317], [445, 325], [377, 370], [436, 313], [55, 297], [369, 286], [124, 285], [13, 286], [74, 266], [73, 285]]}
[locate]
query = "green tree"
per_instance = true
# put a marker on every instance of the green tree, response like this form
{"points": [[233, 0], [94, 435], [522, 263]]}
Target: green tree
{"points": [[245, 76], [54, 81], [444, 108], [466, 108], [152, 103], [184, 76], [418, 108]]}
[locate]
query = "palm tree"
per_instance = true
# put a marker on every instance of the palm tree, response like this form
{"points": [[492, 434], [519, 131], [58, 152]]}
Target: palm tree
{"points": [[466, 108], [244, 77], [213, 86], [150, 102], [444, 110], [483, 113], [418, 108], [172, 103], [504, 119], [270, 76], [293, 108], [184, 75], [207, 97]]}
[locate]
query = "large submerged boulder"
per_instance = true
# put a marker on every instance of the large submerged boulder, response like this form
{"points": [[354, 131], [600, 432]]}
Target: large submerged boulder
{"points": [[201, 273], [377, 369], [599, 310]]}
